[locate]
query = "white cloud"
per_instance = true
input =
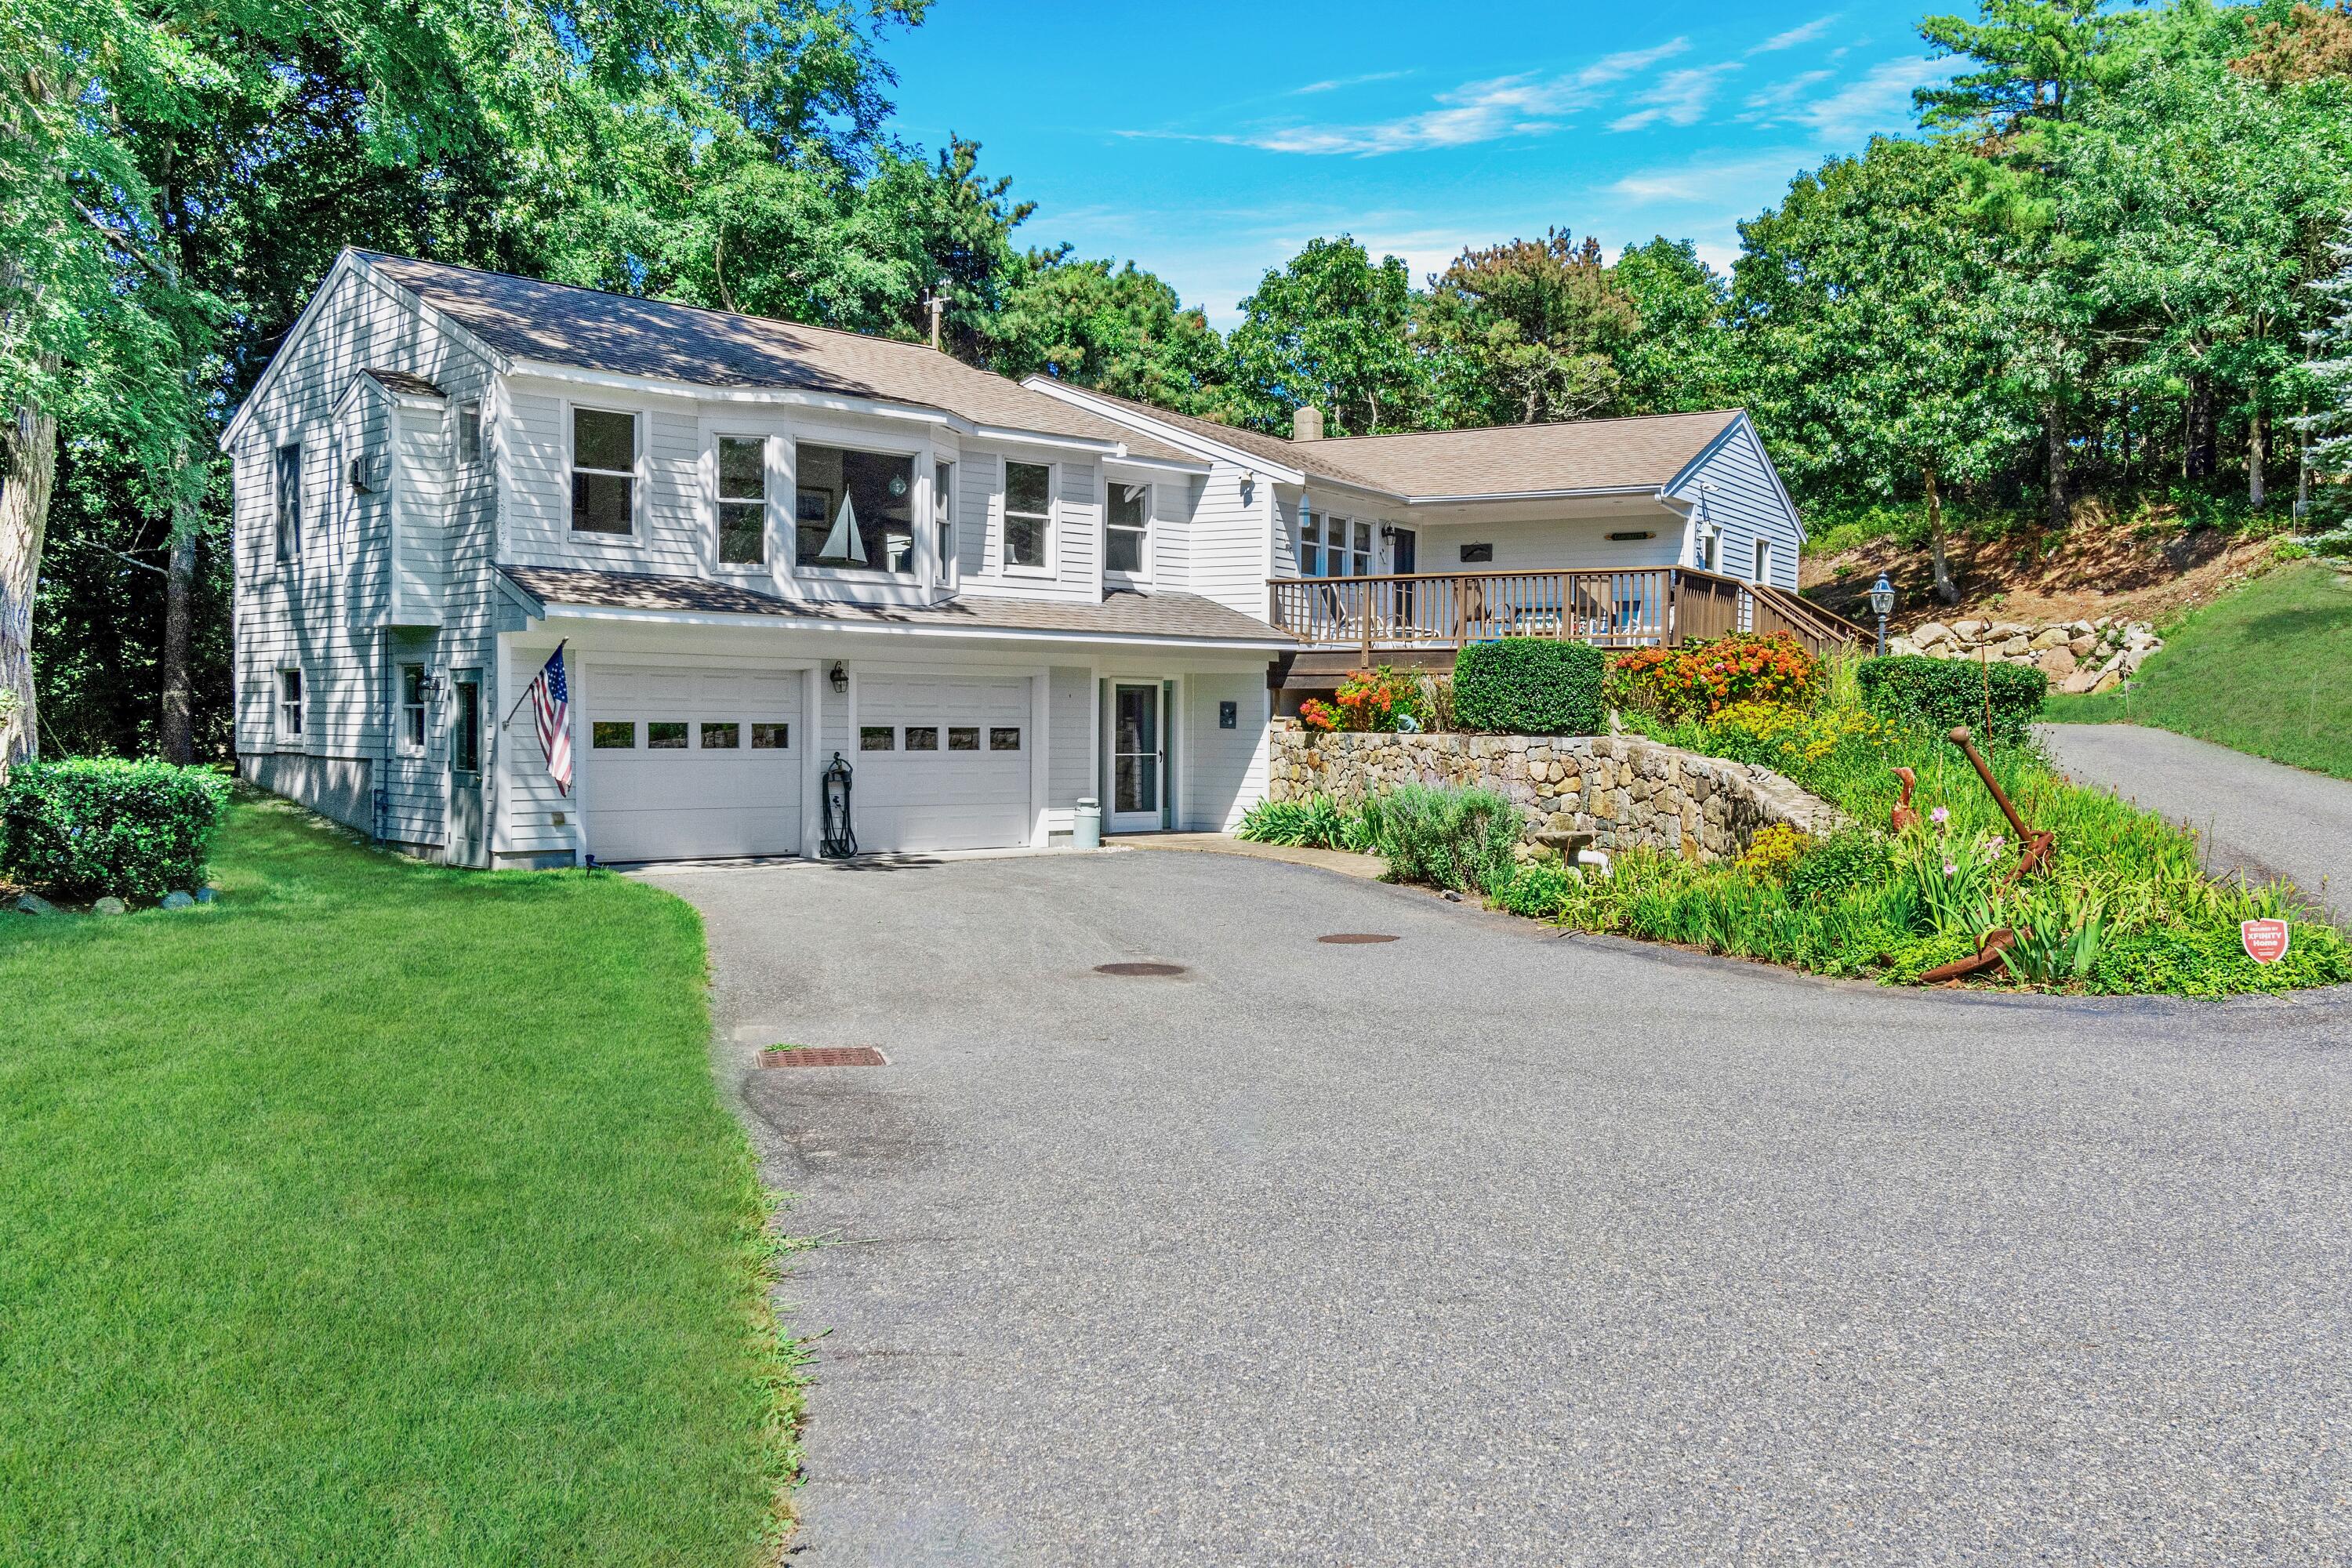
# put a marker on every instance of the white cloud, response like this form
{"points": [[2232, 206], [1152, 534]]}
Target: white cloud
{"points": [[1795, 35], [1336, 83], [1780, 94], [1526, 104], [1879, 100], [1616, 66], [1679, 97], [1711, 183]]}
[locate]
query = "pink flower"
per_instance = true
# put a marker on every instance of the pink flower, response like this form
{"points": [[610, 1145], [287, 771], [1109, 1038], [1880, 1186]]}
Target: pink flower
{"points": [[1940, 815], [1951, 869]]}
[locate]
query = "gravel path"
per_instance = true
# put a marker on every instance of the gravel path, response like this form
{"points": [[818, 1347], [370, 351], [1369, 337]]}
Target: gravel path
{"points": [[1490, 1245], [2257, 815]]}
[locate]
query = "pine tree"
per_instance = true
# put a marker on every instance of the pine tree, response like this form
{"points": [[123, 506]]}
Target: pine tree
{"points": [[2327, 429]]}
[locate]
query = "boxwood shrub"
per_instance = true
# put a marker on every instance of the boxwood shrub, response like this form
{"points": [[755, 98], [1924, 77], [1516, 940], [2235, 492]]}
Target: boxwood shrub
{"points": [[1529, 686], [99, 827], [1938, 694]]}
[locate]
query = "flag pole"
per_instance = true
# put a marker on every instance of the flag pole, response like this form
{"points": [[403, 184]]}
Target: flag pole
{"points": [[535, 680]]}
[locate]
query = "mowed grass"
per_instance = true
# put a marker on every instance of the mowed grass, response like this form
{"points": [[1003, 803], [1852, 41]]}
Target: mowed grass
{"points": [[2267, 671], [377, 1215]]}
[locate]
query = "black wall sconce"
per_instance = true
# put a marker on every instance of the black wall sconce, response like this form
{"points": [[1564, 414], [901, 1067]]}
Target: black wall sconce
{"points": [[840, 678]]}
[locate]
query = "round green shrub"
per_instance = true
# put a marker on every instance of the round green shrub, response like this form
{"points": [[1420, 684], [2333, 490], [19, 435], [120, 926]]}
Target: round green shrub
{"points": [[1942, 693], [1529, 686], [101, 826], [1848, 859]]}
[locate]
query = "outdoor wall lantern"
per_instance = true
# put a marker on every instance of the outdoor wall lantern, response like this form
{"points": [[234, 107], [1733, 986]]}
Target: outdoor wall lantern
{"points": [[840, 678], [1882, 605]]}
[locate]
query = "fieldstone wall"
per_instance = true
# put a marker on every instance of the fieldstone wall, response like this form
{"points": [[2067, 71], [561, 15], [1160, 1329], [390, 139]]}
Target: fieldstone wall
{"points": [[2077, 655], [1625, 792]]}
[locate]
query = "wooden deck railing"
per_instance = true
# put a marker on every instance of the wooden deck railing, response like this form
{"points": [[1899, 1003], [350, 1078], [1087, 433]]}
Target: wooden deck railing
{"points": [[1638, 607]]}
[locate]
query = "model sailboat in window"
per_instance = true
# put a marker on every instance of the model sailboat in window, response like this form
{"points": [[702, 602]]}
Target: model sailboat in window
{"points": [[843, 543]]}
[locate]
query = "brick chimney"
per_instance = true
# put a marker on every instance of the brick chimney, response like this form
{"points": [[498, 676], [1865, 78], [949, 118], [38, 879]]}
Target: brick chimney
{"points": [[1306, 424]]}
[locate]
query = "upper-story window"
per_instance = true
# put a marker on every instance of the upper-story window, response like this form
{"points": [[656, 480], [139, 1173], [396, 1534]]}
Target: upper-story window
{"points": [[742, 500], [1028, 514], [603, 472], [943, 516], [1127, 528], [853, 510], [1763, 562], [470, 433], [288, 475]]}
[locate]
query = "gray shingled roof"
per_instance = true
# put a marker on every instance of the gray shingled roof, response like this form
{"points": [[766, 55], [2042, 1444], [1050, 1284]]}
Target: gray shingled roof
{"points": [[1175, 616], [1499, 459], [620, 333]]}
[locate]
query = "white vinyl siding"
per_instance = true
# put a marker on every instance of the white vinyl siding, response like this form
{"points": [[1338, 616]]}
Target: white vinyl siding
{"points": [[1221, 773], [1747, 506]]}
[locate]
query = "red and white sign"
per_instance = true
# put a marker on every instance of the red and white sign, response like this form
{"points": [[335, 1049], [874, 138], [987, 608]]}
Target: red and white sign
{"points": [[2266, 940]]}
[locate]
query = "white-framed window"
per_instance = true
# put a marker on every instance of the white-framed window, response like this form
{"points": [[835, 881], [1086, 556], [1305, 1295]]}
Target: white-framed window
{"points": [[1763, 562], [742, 462], [853, 510], [469, 434], [290, 704], [1713, 558], [286, 468], [1334, 546], [412, 708], [1360, 559], [1126, 530], [943, 518], [1028, 516], [604, 472]]}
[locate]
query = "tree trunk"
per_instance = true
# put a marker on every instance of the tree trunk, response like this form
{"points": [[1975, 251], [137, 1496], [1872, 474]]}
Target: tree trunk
{"points": [[2258, 451], [2198, 463], [28, 474], [1946, 589], [2053, 447], [178, 737]]}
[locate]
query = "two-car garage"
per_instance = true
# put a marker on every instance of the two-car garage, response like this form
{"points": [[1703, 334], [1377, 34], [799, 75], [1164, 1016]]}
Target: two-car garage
{"points": [[695, 762]]}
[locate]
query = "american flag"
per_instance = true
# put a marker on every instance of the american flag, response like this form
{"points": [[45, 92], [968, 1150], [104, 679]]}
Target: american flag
{"points": [[551, 700]]}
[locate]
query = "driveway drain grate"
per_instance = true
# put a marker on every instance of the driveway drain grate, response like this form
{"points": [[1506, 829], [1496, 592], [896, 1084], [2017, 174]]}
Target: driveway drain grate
{"points": [[1138, 969], [1354, 938], [824, 1057]]}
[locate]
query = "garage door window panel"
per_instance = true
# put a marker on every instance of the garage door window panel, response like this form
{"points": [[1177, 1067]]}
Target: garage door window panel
{"points": [[853, 510], [1005, 740], [962, 739], [612, 735], [722, 737], [877, 738], [664, 735], [771, 737]]}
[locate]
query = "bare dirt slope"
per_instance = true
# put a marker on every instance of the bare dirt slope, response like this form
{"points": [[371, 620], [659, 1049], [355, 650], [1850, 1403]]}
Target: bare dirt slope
{"points": [[2139, 569]]}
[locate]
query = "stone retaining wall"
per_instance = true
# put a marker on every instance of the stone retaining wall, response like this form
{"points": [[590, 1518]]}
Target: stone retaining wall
{"points": [[1626, 791], [2077, 655]]}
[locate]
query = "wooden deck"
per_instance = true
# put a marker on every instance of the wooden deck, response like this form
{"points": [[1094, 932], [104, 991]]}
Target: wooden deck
{"points": [[1421, 621]]}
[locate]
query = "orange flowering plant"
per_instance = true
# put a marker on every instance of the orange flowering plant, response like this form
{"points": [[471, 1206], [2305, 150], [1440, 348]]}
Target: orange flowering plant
{"points": [[1317, 716], [1378, 699], [1698, 679]]}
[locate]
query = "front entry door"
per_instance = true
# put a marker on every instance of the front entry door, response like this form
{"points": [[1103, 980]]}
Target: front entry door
{"points": [[1138, 760], [466, 835]]}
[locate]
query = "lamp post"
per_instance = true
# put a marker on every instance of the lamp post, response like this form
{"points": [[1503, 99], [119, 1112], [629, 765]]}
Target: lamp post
{"points": [[1882, 605]]}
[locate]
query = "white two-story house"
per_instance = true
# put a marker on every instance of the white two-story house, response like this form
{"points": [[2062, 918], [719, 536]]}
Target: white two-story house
{"points": [[763, 547]]}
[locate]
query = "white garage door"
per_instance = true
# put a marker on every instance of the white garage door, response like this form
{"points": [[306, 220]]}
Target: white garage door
{"points": [[942, 763], [686, 762]]}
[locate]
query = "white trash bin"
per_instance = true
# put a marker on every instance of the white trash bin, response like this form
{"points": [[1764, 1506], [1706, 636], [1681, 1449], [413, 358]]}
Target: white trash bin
{"points": [[1085, 824]]}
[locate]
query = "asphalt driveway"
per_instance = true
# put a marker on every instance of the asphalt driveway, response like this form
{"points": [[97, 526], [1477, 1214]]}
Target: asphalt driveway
{"points": [[2257, 815], [1491, 1246]]}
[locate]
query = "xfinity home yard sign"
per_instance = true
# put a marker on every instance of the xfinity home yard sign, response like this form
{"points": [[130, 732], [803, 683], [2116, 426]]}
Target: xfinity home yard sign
{"points": [[2266, 940]]}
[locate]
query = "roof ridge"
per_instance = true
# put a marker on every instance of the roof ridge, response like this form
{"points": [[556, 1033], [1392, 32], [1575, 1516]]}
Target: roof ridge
{"points": [[1537, 425], [679, 305]]}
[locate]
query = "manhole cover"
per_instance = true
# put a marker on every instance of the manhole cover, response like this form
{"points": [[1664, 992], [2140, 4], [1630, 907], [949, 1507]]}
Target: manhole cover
{"points": [[1138, 969], [1354, 938], [824, 1057]]}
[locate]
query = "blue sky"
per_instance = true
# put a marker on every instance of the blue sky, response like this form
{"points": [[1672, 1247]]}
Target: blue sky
{"points": [[1209, 142]]}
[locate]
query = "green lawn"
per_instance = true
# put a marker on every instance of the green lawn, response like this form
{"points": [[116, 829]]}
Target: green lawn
{"points": [[376, 1214], [2267, 671]]}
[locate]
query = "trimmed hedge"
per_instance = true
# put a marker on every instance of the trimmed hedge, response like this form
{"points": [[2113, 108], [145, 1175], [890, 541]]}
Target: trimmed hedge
{"points": [[97, 826], [1530, 686], [1940, 693]]}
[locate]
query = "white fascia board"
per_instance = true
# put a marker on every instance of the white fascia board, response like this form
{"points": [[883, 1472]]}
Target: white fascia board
{"points": [[1184, 439], [1538, 495], [558, 610]]}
